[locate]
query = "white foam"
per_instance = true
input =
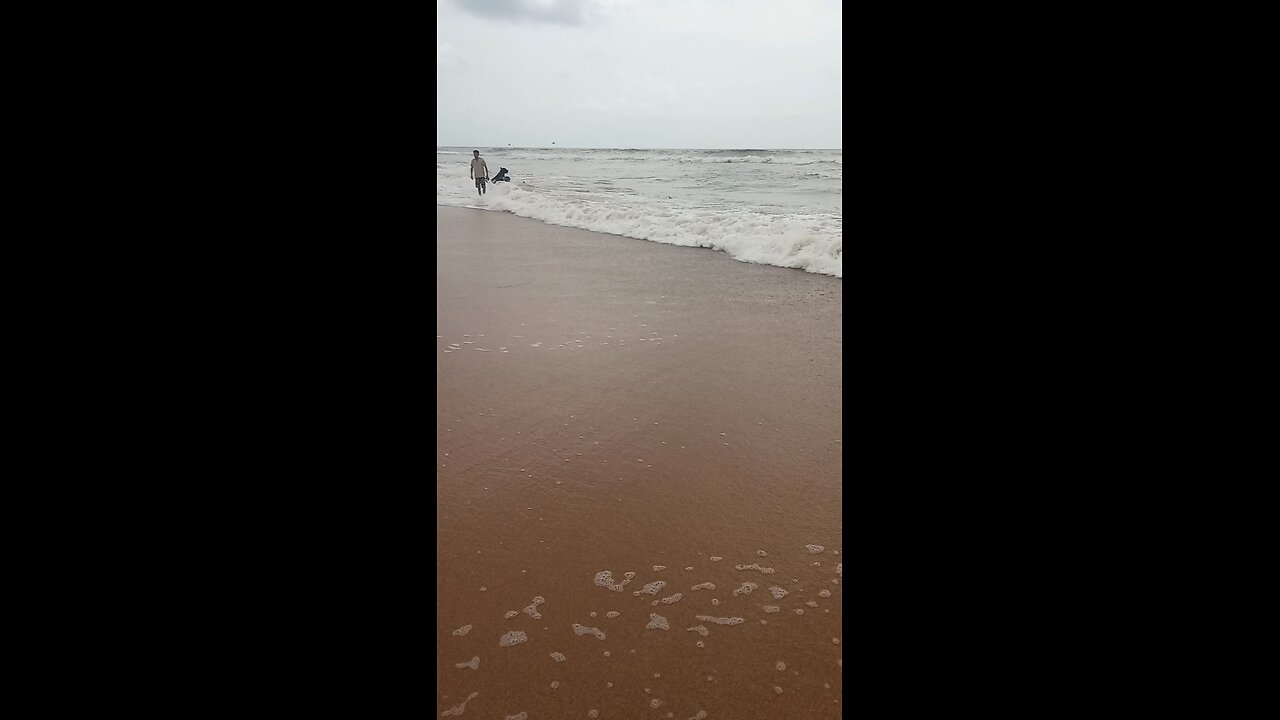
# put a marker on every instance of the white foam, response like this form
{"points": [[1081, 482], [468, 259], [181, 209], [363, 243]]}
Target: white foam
{"points": [[604, 579], [518, 716], [777, 689], [772, 608], [593, 713], [778, 593], [555, 684], [761, 553], [799, 611], [811, 604], [704, 586], [611, 614], [755, 566], [824, 593], [721, 621], [655, 703], [532, 609], [702, 715], [584, 630], [781, 666], [657, 622], [815, 549], [657, 568], [716, 558], [673, 599], [652, 588], [700, 629], [457, 710], [515, 637], [745, 589], [558, 657], [462, 631], [839, 566], [511, 613]]}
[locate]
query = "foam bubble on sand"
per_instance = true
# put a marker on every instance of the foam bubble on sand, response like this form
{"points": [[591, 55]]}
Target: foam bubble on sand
{"points": [[702, 715], [704, 586], [700, 644], [720, 621], [781, 666], [473, 663], [778, 593], [799, 611], [518, 716], [777, 690], [655, 703], [457, 710], [462, 631], [815, 549], [657, 622], [555, 684], [745, 589], [716, 558], [761, 553], [511, 613], [584, 630], [755, 566], [689, 568], [515, 637], [604, 579], [811, 604], [593, 613], [673, 599], [532, 610], [558, 657], [715, 601], [839, 566], [593, 713], [612, 614], [835, 641], [657, 568], [824, 593], [700, 629], [652, 588], [772, 608], [607, 653]]}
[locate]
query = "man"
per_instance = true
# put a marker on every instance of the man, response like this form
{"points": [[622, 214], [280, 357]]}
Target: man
{"points": [[479, 171]]}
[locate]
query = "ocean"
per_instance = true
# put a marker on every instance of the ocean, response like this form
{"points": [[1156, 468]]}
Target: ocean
{"points": [[772, 207]]}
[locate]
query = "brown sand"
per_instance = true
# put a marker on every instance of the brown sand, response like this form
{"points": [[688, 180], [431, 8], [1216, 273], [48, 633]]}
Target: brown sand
{"points": [[679, 405]]}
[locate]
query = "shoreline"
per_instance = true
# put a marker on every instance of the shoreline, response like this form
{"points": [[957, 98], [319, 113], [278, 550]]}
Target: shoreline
{"points": [[628, 237]]}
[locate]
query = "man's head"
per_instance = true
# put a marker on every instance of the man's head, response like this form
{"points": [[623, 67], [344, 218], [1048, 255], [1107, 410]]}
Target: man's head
{"points": [[476, 153]]}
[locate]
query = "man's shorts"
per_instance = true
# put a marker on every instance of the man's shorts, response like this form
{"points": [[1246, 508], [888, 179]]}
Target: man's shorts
{"points": [[480, 182]]}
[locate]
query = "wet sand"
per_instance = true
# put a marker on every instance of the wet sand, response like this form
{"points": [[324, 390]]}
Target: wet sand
{"points": [[615, 404]]}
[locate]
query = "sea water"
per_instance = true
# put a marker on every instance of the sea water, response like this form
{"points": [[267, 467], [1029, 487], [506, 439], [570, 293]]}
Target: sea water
{"points": [[773, 207]]}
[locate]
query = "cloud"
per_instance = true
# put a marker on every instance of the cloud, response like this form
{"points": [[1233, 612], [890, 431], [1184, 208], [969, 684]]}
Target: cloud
{"points": [[560, 12]]}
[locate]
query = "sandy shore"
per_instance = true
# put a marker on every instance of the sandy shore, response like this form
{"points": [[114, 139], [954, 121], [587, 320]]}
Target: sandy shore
{"points": [[615, 404]]}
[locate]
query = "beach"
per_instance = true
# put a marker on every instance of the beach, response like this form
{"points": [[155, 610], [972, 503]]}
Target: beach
{"points": [[610, 404]]}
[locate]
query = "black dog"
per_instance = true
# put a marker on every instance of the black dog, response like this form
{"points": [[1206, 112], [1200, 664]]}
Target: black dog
{"points": [[501, 176]]}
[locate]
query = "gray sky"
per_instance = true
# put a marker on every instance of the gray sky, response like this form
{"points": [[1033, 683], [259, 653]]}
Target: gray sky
{"points": [[639, 73]]}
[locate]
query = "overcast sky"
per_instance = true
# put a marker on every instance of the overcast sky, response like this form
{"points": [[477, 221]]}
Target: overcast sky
{"points": [[639, 73]]}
